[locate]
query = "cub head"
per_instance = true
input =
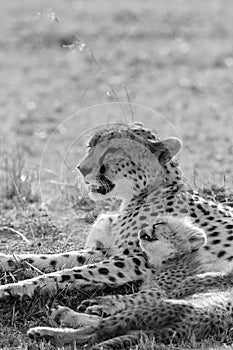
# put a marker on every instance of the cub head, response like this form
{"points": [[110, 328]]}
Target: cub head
{"points": [[169, 237], [124, 159]]}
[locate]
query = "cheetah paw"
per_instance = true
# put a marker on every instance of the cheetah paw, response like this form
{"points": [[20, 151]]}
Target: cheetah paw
{"points": [[62, 336], [46, 333], [17, 290], [101, 306], [99, 311], [85, 304], [65, 317]]}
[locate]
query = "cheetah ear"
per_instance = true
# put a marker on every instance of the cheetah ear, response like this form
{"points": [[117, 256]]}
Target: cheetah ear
{"points": [[99, 245], [137, 124], [165, 150], [197, 238]]}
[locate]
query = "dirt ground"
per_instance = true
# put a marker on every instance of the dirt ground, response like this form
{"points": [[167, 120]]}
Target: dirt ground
{"points": [[69, 66]]}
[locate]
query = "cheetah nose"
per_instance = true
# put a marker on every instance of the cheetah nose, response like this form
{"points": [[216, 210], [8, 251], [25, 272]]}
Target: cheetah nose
{"points": [[84, 170]]}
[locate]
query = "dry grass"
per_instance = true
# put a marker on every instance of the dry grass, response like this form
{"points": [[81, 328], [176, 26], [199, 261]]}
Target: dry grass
{"points": [[18, 180], [57, 59]]}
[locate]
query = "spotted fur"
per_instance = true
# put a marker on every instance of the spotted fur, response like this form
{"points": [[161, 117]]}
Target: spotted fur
{"points": [[129, 162], [100, 235], [117, 322]]}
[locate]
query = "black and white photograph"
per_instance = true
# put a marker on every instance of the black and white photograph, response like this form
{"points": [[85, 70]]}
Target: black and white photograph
{"points": [[116, 175]]}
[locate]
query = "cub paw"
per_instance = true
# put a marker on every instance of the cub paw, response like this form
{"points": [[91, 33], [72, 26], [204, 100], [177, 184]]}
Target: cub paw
{"points": [[99, 310], [63, 336], [65, 317], [45, 333], [101, 306], [85, 304], [59, 315], [16, 291]]}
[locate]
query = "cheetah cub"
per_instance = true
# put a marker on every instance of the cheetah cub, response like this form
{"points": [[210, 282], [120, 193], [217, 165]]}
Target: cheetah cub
{"points": [[100, 235], [168, 237], [197, 301], [174, 248]]}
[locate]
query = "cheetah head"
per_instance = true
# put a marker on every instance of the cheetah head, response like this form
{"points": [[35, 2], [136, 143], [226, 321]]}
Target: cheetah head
{"points": [[169, 237], [124, 159]]}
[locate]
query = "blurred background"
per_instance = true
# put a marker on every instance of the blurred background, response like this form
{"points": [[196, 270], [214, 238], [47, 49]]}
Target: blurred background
{"points": [[176, 57]]}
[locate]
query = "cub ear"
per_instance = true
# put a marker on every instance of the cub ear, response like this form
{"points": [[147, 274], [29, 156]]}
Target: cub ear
{"points": [[197, 238], [137, 124], [165, 150], [99, 245]]}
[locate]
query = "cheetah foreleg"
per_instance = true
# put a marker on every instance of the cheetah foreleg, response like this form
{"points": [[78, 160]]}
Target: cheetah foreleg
{"points": [[62, 336], [173, 319], [70, 319], [111, 304], [51, 262], [114, 272], [66, 317]]}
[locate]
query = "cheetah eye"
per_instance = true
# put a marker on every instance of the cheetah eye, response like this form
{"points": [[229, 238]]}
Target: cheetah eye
{"points": [[146, 237]]}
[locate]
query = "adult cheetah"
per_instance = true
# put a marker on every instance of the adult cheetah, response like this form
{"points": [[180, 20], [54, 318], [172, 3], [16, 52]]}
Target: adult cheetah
{"points": [[128, 161], [173, 248]]}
